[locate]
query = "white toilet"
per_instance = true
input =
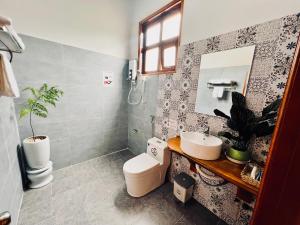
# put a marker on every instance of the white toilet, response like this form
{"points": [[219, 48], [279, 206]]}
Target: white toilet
{"points": [[147, 171], [40, 177]]}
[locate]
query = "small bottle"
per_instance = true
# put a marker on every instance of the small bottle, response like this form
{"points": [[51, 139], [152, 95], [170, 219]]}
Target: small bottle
{"points": [[253, 172]]}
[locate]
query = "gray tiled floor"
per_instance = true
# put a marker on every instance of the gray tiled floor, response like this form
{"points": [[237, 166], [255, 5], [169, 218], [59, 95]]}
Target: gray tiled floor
{"points": [[94, 193]]}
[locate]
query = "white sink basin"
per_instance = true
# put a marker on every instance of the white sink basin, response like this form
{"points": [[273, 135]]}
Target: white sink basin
{"points": [[201, 146]]}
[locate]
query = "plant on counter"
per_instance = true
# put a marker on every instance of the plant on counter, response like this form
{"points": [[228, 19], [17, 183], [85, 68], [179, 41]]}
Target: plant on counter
{"points": [[243, 121], [37, 148]]}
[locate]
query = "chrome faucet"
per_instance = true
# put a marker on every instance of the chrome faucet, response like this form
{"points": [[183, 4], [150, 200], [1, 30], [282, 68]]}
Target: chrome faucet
{"points": [[206, 132]]}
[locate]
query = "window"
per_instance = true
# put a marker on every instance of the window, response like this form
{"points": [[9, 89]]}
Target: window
{"points": [[159, 36]]}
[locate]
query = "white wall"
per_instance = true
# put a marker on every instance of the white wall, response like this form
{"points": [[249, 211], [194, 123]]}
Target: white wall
{"points": [[140, 10], [203, 18], [110, 26], [98, 25]]}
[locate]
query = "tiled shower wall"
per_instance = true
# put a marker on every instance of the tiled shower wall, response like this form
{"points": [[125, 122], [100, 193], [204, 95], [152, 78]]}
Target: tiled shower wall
{"points": [[91, 120], [10, 179], [275, 46], [140, 126]]}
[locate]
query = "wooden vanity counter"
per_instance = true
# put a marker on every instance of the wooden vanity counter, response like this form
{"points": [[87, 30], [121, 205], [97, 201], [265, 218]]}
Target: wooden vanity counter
{"points": [[221, 167]]}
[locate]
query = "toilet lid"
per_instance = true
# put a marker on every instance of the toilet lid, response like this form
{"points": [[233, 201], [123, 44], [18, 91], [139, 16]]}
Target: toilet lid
{"points": [[140, 164], [36, 171]]}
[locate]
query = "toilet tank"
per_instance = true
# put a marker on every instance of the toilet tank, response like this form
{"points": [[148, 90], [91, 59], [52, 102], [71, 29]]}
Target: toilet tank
{"points": [[158, 150]]}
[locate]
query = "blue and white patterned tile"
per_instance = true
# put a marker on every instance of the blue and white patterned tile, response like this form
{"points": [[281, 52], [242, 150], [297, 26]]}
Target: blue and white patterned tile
{"points": [[213, 44], [268, 31], [245, 213], [228, 40], [246, 36], [261, 67], [258, 85], [265, 50], [275, 46]]}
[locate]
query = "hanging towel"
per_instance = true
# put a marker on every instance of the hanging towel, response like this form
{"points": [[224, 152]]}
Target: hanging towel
{"points": [[15, 36], [215, 92], [218, 92], [6, 25], [8, 84], [5, 21]]}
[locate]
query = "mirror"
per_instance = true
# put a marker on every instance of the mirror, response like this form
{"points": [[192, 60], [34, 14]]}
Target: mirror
{"points": [[221, 73]]}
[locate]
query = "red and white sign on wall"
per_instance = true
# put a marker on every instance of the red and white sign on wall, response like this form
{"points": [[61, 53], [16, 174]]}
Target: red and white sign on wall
{"points": [[107, 79]]}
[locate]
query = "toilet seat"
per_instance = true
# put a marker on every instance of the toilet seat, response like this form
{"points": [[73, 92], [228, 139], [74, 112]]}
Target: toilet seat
{"points": [[37, 171], [140, 165]]}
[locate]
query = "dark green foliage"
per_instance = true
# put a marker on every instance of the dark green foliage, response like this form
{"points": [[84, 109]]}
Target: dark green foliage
{"points": [[244, 121], [38, 102]]}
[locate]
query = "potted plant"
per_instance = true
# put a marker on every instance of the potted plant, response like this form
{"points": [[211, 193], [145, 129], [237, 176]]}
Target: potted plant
{"points": [[37, 147], [245, 125]]}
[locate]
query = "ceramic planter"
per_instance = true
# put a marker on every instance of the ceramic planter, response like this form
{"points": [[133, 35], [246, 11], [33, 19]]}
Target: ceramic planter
{"points": [[238, 155], [37, 152]]}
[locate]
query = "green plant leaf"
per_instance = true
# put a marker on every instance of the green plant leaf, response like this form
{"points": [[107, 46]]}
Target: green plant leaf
{"points": [[39, 113], [24, 112], [40, 99], [50, 101], [44, 87], [31, 101], [41, 107], [34, 91]]}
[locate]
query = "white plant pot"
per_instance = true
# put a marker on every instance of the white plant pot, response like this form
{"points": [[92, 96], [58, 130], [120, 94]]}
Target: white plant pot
{"points": [[37, 152]]}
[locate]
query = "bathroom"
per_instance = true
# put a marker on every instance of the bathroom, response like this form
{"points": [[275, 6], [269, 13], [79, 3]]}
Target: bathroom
{"points": [[114, 102]]}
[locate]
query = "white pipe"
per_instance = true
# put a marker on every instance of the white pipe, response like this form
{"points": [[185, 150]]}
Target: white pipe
{"points": [[201, 173]]}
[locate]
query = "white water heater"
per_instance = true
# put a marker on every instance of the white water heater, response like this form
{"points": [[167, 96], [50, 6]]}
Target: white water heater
{"points": [[132, 72]]}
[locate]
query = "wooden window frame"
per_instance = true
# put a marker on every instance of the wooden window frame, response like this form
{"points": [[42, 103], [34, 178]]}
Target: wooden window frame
{"points": [[158, 17]]}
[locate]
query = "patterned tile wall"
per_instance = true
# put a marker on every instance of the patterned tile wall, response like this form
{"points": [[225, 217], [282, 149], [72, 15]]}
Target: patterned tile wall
{"points": [[275, 46]]}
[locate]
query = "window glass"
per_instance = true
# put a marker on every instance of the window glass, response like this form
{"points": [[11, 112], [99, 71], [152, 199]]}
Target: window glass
{"points": [[171, 27], [140, 60], [159, 37], [141, 40], [152, 59], [153, 34], [169, 56]]}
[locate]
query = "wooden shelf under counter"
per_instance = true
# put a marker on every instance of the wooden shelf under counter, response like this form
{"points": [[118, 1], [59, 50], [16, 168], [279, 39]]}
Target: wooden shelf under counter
{"points": [[221, 167]]}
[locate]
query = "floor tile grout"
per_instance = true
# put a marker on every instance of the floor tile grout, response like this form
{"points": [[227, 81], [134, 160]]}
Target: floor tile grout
{"points": [[178, 219], [105, 201], [86, 161]]}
